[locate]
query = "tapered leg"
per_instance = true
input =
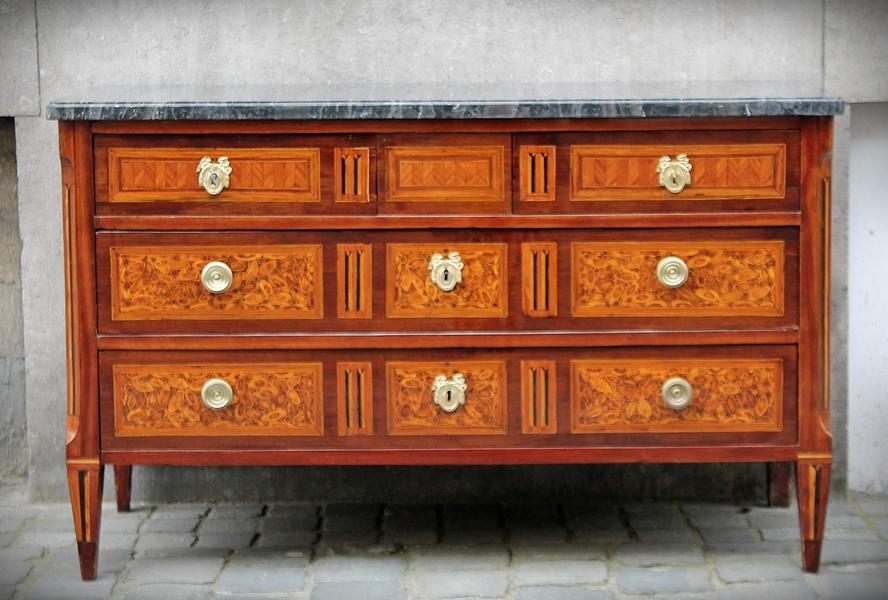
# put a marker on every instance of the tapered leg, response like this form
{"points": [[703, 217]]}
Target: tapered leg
{"points": [[779, 483], [85, 485], [812, 488], [123, 477]]}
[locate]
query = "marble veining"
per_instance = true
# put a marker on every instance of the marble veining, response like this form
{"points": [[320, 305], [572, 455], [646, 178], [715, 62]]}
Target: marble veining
{"points": [[439, 101]]}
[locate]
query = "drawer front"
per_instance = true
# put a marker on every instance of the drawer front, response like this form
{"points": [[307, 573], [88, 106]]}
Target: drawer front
{"points": [[262, 400], [446, 398], [170, 282], [692, 171], [445, 173], [723, 278], [419, 279], [250, 174], [632, 172], [613, 395]]}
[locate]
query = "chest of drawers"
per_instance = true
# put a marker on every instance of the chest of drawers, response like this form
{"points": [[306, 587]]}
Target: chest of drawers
{"points": [[446, 291]]}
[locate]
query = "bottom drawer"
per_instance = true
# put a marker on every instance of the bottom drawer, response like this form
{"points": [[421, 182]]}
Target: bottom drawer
{"points": [[428, 399]]}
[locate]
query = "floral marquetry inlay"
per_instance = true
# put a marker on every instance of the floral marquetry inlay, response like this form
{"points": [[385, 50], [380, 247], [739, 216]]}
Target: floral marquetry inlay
{"points": [[737, 278], [482, 292], [411, 406], [165, 400], [273, 282], [626, 395]]}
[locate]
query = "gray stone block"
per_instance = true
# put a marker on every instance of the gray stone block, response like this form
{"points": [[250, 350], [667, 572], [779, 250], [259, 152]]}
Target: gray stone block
{"points": [[844, 522], [559, 572], [796, 590], [171, 525], [53, 587], [601, 536], [262, 571], [180, 511], [227, 526], [165, 541], [364, 590], [6, 539], [293, 522], [853, 552], [168, 591], [349, 538], [746, 569], [292, 509], [593, 516], [352, 517], [13, 571], [460, 584], [411, 511], [875, 506], [518, 510], [562, 593], [537, 536], [718, 519], [230, 541], [291, 539], [777, 519], [554, 552], [724, 536], [118, 541], [648, 555], [678, 536], [193, 567], [473, 537], [55, 525], [753, 548], [861, 584], [235, 511], [851, 535], [44, 539], [787, 534], [359, 568], [663, 579], [468, 517], [664, 521], [455, 558], [7, 592], [10, 525]]}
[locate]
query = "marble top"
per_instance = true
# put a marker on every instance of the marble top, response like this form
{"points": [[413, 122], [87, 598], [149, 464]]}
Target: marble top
{"points": [[447, 101]]}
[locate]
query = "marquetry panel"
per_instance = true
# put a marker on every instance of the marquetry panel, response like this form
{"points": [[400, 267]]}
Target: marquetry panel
{"points": [[483, 291], [268, 399], [354, 281], [537, 173], [539, 278], [629, 172], [538, 399], [170, 174], [727, 278], [351, 171], [354, 382], [626, 395], [412, 411], [164, 282], [445, 173]]}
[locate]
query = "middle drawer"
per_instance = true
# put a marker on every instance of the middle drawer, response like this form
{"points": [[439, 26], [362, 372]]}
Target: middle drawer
{"points": [[441, 280]]}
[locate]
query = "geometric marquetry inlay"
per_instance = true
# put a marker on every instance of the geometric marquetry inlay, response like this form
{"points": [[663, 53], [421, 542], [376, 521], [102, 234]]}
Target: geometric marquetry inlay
{"points": [[170, 174], [629, 172], [445, 174]]}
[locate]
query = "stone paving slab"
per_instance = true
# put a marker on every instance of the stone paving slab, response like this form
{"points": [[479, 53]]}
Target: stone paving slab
{"points": [[520, 551]]}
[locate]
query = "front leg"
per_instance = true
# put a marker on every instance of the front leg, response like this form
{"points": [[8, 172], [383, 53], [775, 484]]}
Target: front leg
{"points": [[85, 480], [812, 489]]}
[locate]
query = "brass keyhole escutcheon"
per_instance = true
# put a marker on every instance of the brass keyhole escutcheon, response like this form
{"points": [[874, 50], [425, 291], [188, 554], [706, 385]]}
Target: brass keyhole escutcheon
{"points": [[213, 176], [675, 175], [446, 271], [449, 394]]}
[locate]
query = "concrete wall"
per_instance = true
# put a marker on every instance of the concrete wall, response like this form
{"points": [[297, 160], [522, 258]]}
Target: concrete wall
{"points": [[13, 434], [838, 46], [868, 279]]}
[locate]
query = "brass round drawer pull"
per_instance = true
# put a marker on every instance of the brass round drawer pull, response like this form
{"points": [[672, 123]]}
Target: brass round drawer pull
{"points": [[675, 175], [446, 271], [449, 394], [216, 393], [677, 393], [672, 272], [213, 176], [216, 277]]}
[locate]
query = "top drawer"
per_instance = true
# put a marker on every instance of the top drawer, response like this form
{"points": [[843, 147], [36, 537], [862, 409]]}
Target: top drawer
{"points": [[243, 174], [653, 172]]}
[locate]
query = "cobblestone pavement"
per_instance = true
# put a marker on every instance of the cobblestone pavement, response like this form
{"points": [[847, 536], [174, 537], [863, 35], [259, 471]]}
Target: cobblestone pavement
{"points": [[388, 552]]}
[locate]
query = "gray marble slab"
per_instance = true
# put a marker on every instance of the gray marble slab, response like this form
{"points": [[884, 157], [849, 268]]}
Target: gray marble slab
{"points": [[451, 101]]}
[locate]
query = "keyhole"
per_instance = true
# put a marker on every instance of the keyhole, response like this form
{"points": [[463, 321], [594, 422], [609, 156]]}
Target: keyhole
{"points": [[213, 178], [448, 397], [446, 278]]}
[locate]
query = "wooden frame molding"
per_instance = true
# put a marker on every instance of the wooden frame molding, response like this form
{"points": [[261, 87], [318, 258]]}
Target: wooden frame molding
{"points": [[538, 396], [354, 390], [539, 278], [537, 173], [354, 281], [351, 171]]}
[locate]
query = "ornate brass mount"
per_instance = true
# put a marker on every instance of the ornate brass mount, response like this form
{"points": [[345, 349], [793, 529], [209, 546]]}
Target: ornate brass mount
{"points": [[675, 175], [446, 272], [449, 394], [672, 272], [213, 176]]}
